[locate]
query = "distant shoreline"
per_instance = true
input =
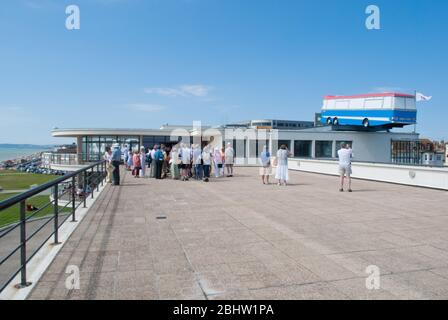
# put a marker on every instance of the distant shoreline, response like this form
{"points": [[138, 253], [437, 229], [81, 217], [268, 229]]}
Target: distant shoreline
{"points": [[19, 155]]}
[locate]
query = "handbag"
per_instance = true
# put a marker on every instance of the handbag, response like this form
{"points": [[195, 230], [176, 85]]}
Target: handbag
{"points": [[275, 162]]}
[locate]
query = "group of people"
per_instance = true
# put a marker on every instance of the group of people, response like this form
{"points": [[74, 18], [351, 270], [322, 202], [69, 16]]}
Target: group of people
{"points": [[281, 162], [345, 155], [184, 162]]}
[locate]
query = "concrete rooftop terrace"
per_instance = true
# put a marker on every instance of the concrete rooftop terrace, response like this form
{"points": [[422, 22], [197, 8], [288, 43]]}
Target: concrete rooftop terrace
{"points": [[235, 238]]}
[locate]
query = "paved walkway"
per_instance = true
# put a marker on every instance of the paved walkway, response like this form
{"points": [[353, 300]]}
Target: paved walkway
{"points": [[12, 191], [235, 238]]}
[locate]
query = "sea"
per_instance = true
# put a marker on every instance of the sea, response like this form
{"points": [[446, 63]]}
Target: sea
{"points": [[8, 153]]}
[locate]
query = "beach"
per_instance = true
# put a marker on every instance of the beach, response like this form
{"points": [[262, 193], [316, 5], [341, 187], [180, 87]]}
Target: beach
{"points": [[18, 153]]}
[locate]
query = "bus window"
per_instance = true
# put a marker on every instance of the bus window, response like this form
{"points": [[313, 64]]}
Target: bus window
{"points": [[357, 104], [410, 103], [399, 103], [342, 104], [373, 103], [387, 104]]}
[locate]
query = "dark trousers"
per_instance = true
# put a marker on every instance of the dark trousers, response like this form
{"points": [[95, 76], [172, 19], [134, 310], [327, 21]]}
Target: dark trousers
{"points": [[198, 171], [159, 164], [206, 168], [136, 171], [116, 172]]}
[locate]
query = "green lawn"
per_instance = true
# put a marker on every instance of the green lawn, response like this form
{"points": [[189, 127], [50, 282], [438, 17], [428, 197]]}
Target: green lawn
{"points": [[15, 180], [12, 214]]}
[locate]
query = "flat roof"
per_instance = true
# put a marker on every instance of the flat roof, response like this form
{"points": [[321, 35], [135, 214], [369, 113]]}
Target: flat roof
{"points": [[111, 131], [235, 238], [168, 131], [371, 95]]}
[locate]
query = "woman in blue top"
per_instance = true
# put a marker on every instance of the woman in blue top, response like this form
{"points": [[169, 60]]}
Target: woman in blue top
{"points": [[130, 162], [265, 170]]}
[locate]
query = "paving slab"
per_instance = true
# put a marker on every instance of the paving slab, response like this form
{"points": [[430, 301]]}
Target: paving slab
{"points": [[235, 238]]}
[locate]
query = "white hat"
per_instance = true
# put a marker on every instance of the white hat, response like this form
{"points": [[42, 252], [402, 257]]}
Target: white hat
{"points": [[115, 145]]}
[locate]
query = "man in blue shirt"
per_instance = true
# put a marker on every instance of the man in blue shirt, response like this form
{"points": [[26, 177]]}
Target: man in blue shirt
{"points": [[158, 157], [265, 158], [115, 159]]}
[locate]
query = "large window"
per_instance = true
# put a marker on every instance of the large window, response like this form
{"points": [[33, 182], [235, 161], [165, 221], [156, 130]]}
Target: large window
{"points": [[302, 148], [287, 143], [324, 149], [406, 152], [256, 146], [93, 147], [339, 144], [150, 141], [239, 147]]}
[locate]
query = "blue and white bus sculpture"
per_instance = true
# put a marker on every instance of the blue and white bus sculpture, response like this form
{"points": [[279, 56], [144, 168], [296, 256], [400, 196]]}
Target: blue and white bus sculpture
{"points": [[385, 110]]}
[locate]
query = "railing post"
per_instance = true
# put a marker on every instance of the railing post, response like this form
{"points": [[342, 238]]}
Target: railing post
{"points": [[85, 188], [102, 173], [23, 283], [98, 178], [91, 176], [73, 199], [56, 214]]}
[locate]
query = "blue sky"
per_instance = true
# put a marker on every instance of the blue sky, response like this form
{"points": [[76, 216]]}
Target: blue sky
{"points": [[142, 63]]}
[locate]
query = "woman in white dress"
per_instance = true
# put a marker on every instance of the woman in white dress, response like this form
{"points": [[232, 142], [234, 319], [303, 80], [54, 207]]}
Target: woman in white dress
{"points": [[109, 168], [282, 165], [143, 161], [217, 160]]}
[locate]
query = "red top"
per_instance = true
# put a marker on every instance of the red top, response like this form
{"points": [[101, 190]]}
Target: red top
{"points": [[136, 160], [371, 95]]}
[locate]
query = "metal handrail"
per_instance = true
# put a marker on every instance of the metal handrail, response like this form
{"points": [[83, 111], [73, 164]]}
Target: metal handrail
{"points": [[38, 189], [93, 181], [56, 158], [335, 159]]}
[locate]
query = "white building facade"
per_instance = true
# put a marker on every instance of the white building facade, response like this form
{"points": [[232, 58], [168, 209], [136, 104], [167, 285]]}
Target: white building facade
{"points": [[320, 142]]}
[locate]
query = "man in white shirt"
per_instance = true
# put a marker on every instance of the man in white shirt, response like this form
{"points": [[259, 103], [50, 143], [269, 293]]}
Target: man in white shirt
{"points": [[229, 157], [207, 161], [186, 162], [345, 155], [197, 161], [152, 168]]}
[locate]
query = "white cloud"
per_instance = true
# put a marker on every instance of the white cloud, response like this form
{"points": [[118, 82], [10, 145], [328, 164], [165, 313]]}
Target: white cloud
{"points": [[142, 107], [167, 92], [196, 90]]}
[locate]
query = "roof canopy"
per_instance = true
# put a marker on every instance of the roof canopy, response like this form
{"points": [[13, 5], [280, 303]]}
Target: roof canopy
{"points": [[371, 95]]}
